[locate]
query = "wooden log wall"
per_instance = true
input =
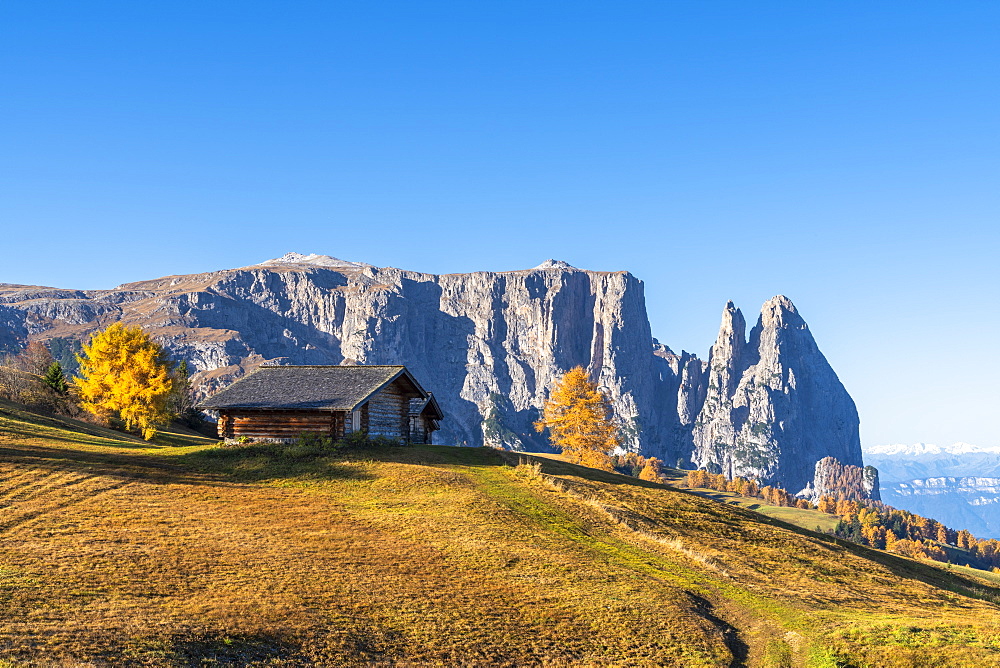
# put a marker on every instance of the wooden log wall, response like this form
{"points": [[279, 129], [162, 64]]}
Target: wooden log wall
{"points": [[225, 426], [280, 424], [388, 413], [419, 430]]}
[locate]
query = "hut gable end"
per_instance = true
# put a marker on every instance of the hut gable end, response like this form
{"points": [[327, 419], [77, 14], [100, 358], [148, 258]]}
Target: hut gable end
{"points": [[387, 411]]}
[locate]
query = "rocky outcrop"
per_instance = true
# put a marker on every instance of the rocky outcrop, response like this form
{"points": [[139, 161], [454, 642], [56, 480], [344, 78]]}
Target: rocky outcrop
{"points": [[842, 481], [870, 488], [774, 406]]}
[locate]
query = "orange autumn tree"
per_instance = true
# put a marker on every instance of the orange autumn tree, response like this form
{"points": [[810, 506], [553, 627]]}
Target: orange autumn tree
{"points": [[578, 418], [652, 471], [125, 377]]}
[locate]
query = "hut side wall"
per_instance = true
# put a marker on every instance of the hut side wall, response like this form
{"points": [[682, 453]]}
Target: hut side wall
{"points": [[279, 424]]}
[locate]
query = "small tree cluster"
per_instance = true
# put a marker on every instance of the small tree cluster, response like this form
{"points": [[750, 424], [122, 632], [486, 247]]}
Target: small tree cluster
{"points": [[180, 401], [704, 480], [637, 466], [870, 523], [878, 525], [34, 378]]}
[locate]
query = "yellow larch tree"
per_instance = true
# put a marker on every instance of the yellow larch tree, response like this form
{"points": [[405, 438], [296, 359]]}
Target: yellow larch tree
{"points": [[698, 479], [652, 471], [125, 376], [827, 505], [578, 418]]}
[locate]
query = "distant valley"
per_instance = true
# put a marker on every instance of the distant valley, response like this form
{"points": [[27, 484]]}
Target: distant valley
{"points": [[958, 485]]}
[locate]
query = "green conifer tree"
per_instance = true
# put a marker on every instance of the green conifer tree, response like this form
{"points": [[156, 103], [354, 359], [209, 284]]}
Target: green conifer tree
{"points": [[56, 379]]}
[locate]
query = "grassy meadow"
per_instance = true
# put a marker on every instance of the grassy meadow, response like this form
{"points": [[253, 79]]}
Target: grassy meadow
{"points": [[114, 551]]}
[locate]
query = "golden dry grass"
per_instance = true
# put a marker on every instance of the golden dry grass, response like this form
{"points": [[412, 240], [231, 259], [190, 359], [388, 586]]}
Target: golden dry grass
{"points": [[802, 518], [117, 552]]}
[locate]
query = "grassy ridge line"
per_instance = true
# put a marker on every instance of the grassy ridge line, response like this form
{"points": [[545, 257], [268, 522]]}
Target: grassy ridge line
{"points": [[823, 522], [800, 517], [433, 556]]}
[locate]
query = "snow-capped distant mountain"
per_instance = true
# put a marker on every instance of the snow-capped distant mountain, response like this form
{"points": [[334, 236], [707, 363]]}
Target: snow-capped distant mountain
{"points": [[910, 462], [313, 258], [920, 449], [956, 484]]}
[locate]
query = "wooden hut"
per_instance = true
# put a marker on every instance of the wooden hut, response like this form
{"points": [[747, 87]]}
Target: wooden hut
{"points": [[278, 403]]}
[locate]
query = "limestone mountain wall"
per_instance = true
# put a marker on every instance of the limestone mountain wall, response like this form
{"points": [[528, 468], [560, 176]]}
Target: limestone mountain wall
{"points": [[490, 345]]}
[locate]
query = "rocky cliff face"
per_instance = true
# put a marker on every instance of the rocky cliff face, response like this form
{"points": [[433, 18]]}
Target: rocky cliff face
{"points": [[490, 346], [681, 386], [774, 406]]}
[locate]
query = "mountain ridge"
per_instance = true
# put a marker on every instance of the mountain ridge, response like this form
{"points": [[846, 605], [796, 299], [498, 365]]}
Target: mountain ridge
{"points": [[920, 449], [490, 344], [958, 484], [773, 401]]}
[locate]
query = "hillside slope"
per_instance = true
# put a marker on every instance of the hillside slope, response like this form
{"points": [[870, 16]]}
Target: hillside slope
{"points": [[117, 552]]}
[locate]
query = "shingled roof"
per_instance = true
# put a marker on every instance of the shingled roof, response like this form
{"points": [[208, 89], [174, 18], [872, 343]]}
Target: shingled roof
{"points": [[325, 388], [427, 405]]}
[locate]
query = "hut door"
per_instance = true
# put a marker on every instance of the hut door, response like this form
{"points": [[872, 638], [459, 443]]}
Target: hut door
{"points": [[356, 421]]}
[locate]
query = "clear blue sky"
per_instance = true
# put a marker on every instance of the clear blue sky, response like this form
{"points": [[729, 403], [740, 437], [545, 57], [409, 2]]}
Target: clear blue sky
{"points": [[846, 154]]}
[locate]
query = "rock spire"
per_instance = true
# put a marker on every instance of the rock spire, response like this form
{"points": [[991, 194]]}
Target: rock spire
{"points": [[774, 406]]}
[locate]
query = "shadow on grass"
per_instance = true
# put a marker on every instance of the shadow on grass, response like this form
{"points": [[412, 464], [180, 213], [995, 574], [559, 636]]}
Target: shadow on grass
{"points": [[212, 466], [18, 421], [268, 461], [117, 441], [202, 649], [730, 634], [138, 467]]}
